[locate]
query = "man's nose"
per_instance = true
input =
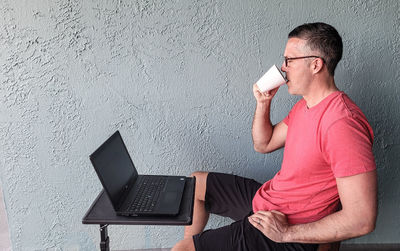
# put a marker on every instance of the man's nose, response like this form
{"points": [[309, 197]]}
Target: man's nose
{"points": [[283, 67]]}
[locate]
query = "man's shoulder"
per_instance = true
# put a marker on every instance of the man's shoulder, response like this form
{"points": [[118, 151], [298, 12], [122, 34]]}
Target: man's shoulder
{"points": [[343, 109]]}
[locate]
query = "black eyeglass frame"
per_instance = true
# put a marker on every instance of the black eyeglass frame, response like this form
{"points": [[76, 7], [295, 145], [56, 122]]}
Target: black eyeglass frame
{"points": [[287, 59]]}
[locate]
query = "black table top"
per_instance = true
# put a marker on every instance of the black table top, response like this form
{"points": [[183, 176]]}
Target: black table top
{"points": [[102, 212]]}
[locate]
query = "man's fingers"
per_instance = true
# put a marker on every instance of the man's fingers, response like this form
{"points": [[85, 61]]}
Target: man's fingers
{"points": [[263, 213], [277, 212], [256, 222], [268, 213]]}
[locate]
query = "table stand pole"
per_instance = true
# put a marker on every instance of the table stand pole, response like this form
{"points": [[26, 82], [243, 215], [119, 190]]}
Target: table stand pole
{"points": [[104, 240]]}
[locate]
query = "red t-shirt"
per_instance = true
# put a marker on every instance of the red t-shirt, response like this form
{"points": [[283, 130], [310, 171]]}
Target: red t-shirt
{"points": [[330, 140]]}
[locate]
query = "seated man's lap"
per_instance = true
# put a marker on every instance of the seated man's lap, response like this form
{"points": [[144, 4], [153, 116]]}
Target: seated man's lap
{"points": [[231, 196], [242, 236]]}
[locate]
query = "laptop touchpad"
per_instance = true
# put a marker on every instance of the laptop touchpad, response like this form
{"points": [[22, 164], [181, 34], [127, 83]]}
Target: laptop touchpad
{"points": [[169, 197]]}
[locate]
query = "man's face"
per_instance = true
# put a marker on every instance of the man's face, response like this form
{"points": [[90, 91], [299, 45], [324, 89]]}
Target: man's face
{"points": [[298, 72]]}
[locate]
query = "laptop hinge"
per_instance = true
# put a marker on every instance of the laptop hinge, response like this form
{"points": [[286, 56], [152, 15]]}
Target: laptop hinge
{"points": [[126, 191]]}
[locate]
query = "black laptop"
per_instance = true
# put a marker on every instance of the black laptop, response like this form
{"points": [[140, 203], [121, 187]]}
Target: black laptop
{"points": [[132, 194]]}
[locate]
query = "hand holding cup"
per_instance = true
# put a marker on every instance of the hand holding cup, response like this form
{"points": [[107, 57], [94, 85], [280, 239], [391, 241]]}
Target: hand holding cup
{"points": [[263, 97], [267, 86], [272, 79]]}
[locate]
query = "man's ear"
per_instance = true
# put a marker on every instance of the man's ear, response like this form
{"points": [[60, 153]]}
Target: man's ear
{"points": [[317, 65]]}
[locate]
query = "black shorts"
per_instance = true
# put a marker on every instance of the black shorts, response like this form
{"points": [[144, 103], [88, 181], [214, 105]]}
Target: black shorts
{"points": [[231, 196]]}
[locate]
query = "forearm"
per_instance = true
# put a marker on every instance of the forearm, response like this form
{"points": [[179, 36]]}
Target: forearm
{"points": [[332, 228], [262, 127]]}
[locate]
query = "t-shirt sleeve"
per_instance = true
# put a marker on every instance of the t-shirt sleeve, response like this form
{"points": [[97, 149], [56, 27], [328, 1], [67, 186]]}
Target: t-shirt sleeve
{"points": [[287, 118], [348, 147], [292, 111]]}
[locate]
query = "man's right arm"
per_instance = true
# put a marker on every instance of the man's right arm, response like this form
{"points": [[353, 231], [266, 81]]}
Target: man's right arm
{"points": [[266, 137]]}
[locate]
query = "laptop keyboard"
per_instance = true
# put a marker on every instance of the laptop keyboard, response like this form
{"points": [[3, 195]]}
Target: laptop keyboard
{"points": [[150, 188]]}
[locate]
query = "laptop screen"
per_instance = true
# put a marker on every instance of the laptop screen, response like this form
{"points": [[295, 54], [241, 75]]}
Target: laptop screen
{"points": [[114, 167]]}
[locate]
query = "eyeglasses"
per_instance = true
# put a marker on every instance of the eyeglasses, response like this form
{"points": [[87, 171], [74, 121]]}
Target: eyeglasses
{"points": [[287, 59]]}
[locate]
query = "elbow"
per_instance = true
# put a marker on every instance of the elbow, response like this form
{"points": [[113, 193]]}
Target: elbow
{"points": [[370, 222], [367, 226], [261, 149], [358, 224]]}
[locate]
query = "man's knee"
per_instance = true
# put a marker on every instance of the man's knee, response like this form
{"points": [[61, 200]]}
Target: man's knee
{"points": [[201, 184], [184, 245]]}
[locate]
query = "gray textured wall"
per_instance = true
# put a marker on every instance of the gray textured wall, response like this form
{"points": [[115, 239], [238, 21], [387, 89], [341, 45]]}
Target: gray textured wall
{"points": [[175, 78]]}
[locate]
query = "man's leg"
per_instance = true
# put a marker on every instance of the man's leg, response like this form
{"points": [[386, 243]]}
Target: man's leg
{"points": [[227, 195], [184, 245], [200, 215]]}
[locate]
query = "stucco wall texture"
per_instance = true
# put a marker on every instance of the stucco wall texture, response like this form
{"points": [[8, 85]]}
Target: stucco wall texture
{"points": [[175, 77]]}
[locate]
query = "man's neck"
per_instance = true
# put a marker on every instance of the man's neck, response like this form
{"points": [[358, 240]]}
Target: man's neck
{"points": [[319, 90]]}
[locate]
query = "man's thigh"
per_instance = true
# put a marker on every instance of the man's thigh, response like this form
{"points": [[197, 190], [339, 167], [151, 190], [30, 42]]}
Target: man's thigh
{"points": [[230, 195], [242, 236]]}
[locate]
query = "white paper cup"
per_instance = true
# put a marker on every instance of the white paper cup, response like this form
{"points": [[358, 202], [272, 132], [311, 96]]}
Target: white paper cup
{"points": [[271, 79]]}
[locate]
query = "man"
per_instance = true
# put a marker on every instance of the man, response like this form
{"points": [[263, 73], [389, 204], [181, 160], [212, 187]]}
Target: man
{"points": [[326, 189]]}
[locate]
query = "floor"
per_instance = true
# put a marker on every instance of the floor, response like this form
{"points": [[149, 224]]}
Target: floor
{"points": [[5, 243]]}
